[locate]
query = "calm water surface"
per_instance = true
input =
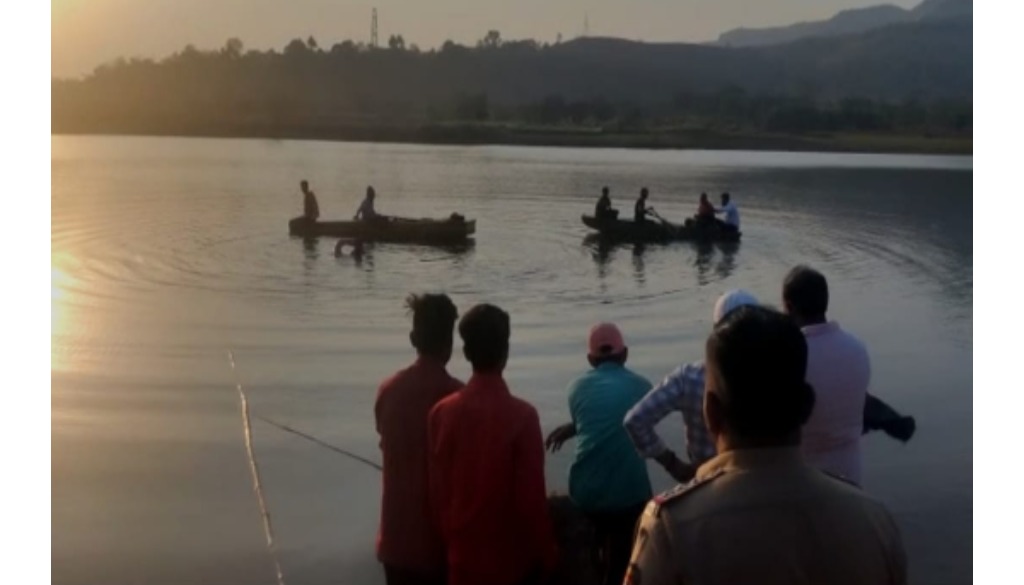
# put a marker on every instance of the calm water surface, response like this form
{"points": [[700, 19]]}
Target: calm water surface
{"points": [[169, 253]]}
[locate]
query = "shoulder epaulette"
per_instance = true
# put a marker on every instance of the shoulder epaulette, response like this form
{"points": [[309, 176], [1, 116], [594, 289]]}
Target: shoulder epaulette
{"points": [[666, 498], [840, 478]]}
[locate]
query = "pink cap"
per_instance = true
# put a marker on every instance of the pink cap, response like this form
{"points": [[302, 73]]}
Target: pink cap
{"points": [[605, 339]]}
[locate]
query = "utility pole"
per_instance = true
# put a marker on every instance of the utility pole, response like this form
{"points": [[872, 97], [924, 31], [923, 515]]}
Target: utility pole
{"points": [[373, 30], [586, 24]]}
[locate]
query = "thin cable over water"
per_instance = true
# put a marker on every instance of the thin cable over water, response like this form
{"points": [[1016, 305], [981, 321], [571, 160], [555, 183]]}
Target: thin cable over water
{"points": [[268, 530], [317, 441]]}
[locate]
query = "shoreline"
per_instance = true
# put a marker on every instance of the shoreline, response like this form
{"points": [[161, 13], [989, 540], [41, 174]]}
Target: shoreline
{"points": [[574, 137]]}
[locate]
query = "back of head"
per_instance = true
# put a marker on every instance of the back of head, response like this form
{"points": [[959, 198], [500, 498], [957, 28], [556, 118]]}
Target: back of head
{"points": [[304, 184], [703, 196], [643, 192], [725, 197], [433, 321], [805, 294], [757, 361], [731, 301], [370, 192], [485, 332], [604, 191]]}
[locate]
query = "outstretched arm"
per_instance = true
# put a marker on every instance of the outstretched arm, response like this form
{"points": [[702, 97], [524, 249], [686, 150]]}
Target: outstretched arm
{"points": [[559, 436]]}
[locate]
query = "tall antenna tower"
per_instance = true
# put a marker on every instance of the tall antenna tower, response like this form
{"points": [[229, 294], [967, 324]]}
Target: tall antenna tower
{"points": [[373, 30]]}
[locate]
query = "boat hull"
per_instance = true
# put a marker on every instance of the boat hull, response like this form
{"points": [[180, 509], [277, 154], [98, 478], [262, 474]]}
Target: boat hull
{"points": [[654, 231], [427, 231]]}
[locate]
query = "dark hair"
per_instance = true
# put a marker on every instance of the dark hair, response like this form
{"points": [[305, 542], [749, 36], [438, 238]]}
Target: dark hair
{"points": [[805, 292], [643, 192], [304, 183], [604, 190], [758, 358], [485, 332], [726, 196], [433, 319], [370, 192]]}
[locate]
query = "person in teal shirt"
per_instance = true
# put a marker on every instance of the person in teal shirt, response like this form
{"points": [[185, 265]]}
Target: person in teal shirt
{"points": [[608, 479]]}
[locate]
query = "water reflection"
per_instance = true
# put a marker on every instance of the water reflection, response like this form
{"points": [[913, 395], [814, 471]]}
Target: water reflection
{"points": [[708, 266], [638, 263], [713, 261]]}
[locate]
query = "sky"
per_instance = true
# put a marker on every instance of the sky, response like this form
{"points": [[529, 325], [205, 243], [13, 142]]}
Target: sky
{"points": [[88, 33]]}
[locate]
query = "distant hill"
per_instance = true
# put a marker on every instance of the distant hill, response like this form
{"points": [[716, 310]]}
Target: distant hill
{"points": [[912, 77], [849, 22]]}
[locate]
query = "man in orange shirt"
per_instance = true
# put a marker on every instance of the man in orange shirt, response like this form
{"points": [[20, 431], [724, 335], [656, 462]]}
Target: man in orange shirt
{"points": [[487, 468], [408, 543]]}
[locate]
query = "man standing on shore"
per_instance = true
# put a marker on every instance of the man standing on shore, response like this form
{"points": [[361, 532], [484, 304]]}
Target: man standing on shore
{"points": [[838, 368], [757, 513], [408, 543], [487, 468], [608, 479]]}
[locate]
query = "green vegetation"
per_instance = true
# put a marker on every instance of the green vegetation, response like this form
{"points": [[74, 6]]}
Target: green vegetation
{"points": [[902, 88]]}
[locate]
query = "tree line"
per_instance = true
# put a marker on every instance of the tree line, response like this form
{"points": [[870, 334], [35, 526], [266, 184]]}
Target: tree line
{"points": [[603, 84]]}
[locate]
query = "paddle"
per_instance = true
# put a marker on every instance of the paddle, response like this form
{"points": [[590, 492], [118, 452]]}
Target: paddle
{"points": [[662, 219]]}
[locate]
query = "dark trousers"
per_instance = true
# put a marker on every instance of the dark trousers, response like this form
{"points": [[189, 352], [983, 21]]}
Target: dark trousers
{"points": [[398, 576], [615, 530]]}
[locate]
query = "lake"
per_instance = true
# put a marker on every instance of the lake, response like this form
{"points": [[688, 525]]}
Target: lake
{"points": [[167, 254]]}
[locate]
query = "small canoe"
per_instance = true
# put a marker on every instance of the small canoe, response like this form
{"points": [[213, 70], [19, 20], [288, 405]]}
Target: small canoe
{"points": [[393, 229], [657, 231]]}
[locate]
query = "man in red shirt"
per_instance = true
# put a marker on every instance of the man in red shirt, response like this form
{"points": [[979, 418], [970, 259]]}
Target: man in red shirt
{"points": [[408, 543], [487, 468]]}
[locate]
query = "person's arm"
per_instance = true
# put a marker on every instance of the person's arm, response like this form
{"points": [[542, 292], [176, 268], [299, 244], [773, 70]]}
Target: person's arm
{"points": [[559, 436], [436, 469], [640, 421], [659, 402], [531, 492]]}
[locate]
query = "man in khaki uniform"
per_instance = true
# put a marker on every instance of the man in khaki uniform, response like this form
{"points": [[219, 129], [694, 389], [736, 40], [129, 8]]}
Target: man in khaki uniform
{"points": [[757, 513]]}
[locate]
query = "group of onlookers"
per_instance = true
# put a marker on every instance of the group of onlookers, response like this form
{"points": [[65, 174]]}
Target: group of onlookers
{"points": [[769, 491]]}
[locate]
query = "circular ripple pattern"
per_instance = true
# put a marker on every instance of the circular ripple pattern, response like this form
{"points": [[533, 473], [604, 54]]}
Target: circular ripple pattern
{"points": [[168, 253]]}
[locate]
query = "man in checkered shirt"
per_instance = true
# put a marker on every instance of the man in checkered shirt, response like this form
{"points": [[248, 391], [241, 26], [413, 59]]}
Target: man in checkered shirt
{"points": [[683, 391]]}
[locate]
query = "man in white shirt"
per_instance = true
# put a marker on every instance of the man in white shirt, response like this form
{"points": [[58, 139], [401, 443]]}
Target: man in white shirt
{"points": [[732, 215], [839, 370]]}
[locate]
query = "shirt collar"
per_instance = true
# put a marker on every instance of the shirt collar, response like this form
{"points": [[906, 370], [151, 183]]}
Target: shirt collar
{"points": [[746, 459], [487, 382], [820, 328], [606, 366]]}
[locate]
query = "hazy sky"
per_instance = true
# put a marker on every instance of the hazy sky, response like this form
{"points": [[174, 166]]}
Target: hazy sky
{"points": [[86, 33]]}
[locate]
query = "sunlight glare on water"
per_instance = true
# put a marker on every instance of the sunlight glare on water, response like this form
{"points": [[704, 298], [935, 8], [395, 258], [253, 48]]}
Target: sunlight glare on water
{"points": [[170, 253]]}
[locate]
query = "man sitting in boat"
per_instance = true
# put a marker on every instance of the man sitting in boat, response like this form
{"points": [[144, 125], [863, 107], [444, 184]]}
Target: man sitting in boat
{"points": [[705, 211], [604, 207], [732, 215], [366, 211], [640, 209], [310, 208]]}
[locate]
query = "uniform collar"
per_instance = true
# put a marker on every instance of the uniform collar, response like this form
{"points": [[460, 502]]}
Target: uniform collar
{"points": [[746, 459]]}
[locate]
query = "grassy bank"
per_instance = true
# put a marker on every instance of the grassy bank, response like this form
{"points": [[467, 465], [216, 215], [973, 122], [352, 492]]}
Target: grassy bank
{"points": [[512, 134]]}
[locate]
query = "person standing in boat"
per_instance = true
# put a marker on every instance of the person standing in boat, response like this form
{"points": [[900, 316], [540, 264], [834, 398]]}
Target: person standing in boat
{"points": [[310, 208], [640, 209], [604, 206], [732, 215], [366, 210]]}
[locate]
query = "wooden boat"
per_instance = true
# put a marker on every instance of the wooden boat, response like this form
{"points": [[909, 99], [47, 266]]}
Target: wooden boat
{"points": [[658, 231], [392, 229]]}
